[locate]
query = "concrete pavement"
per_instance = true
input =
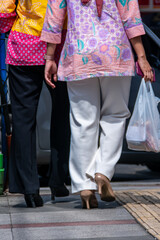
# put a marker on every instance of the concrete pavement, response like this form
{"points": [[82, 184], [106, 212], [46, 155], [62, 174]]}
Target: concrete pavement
{"points": [[64, 218]]}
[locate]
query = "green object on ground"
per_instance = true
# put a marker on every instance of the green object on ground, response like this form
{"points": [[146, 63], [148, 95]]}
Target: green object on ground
{"points": [[1, 160], [1, 180]]}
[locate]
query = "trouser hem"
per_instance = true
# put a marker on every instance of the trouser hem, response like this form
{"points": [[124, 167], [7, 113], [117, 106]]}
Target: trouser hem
{"points": [[80, 187]]}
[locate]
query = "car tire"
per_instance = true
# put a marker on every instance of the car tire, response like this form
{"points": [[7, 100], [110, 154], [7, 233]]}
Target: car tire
{"points": [[155, 167]]}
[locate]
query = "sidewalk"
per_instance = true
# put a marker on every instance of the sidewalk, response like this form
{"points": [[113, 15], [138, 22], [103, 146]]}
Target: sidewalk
{"points": [[64, 218]]}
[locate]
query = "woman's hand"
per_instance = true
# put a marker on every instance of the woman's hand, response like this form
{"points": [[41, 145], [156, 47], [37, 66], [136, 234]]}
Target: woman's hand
{"points": [[142, 60], [146, 69], [50, 72]]}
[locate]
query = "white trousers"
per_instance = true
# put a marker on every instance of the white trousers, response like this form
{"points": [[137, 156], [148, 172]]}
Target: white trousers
{"points": [[98, 111]]}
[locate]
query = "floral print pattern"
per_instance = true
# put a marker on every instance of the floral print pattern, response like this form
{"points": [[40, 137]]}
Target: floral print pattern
{"points": [[94, 46]]}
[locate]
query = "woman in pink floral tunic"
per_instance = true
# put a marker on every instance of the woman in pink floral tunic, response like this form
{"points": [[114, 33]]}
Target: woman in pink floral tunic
{"points": [[97, 63]]}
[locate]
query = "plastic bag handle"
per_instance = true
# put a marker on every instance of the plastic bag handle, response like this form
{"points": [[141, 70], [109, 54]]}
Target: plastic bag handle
{"points": [[150, 89]]}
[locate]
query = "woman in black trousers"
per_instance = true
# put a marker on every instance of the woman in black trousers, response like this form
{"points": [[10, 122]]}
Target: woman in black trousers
{"points": [[25, 57], [25, 87]]}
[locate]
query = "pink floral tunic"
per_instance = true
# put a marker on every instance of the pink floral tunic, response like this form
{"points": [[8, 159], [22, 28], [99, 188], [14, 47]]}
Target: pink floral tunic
{"points": [[94, 46]]}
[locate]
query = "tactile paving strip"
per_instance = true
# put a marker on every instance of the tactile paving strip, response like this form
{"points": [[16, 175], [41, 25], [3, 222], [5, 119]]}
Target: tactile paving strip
{"points": [[144, 205]]}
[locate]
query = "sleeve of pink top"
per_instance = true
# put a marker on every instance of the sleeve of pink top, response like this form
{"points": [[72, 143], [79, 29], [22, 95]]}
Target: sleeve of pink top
{"points": [[53, 22], [7, 15], [131, 18]]}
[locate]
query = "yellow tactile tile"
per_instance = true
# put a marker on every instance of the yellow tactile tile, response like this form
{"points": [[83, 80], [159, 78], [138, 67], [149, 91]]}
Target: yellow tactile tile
{"points": [[144, 205]]}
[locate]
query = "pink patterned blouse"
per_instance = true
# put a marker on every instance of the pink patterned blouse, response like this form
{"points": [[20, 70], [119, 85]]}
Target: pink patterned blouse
{"points": [[94, 46], [24, 46]]}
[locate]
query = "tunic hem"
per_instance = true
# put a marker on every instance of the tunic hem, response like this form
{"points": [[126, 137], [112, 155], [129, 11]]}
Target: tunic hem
{"points": [[98, 74]]}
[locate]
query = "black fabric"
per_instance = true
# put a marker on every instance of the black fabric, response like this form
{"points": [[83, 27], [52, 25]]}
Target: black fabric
{"points": [[60, 135], [25, 88]]}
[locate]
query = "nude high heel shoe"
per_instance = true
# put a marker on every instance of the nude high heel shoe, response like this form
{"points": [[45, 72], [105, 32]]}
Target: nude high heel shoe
{"points": [[104, 188], [88, 199]]}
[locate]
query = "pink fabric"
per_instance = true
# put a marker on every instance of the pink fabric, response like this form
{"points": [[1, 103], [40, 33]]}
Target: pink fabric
{"points": [[134, 31], [50, 38], [99, 4], [24, 49], [6, 21], [94, 47]]}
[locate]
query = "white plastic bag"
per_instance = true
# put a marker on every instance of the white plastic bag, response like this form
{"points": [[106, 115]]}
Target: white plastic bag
{"points": [[143, 132]]}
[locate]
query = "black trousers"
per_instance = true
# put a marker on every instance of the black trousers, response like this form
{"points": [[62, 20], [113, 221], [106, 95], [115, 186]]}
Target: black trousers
{"points": [[25, 87], [59, 135]]}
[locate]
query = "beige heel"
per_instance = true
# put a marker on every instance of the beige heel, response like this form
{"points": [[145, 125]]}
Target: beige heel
{"points": [[88, 199], [100, 184], [85, 202], [104, 188]]}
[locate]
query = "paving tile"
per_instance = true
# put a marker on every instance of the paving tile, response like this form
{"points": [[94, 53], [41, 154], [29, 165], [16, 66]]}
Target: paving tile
{"points": [[5, 219], [3, 205], [6, 234]]}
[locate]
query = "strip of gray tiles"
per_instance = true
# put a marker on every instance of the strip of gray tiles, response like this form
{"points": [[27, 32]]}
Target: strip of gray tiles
{"points": [[119, 238], [70, 216], [130, 238], [78, 232], [66, 224], [71, 203]]}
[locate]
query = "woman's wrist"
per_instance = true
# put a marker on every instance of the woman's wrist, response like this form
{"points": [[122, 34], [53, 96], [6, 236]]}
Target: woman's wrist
{"points": [[49, 57], [138, 47], [141, 57], [50, 51]]}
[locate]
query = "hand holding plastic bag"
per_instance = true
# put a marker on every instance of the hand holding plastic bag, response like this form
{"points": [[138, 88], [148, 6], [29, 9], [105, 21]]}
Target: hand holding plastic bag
{"points": [[143, 132]]}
